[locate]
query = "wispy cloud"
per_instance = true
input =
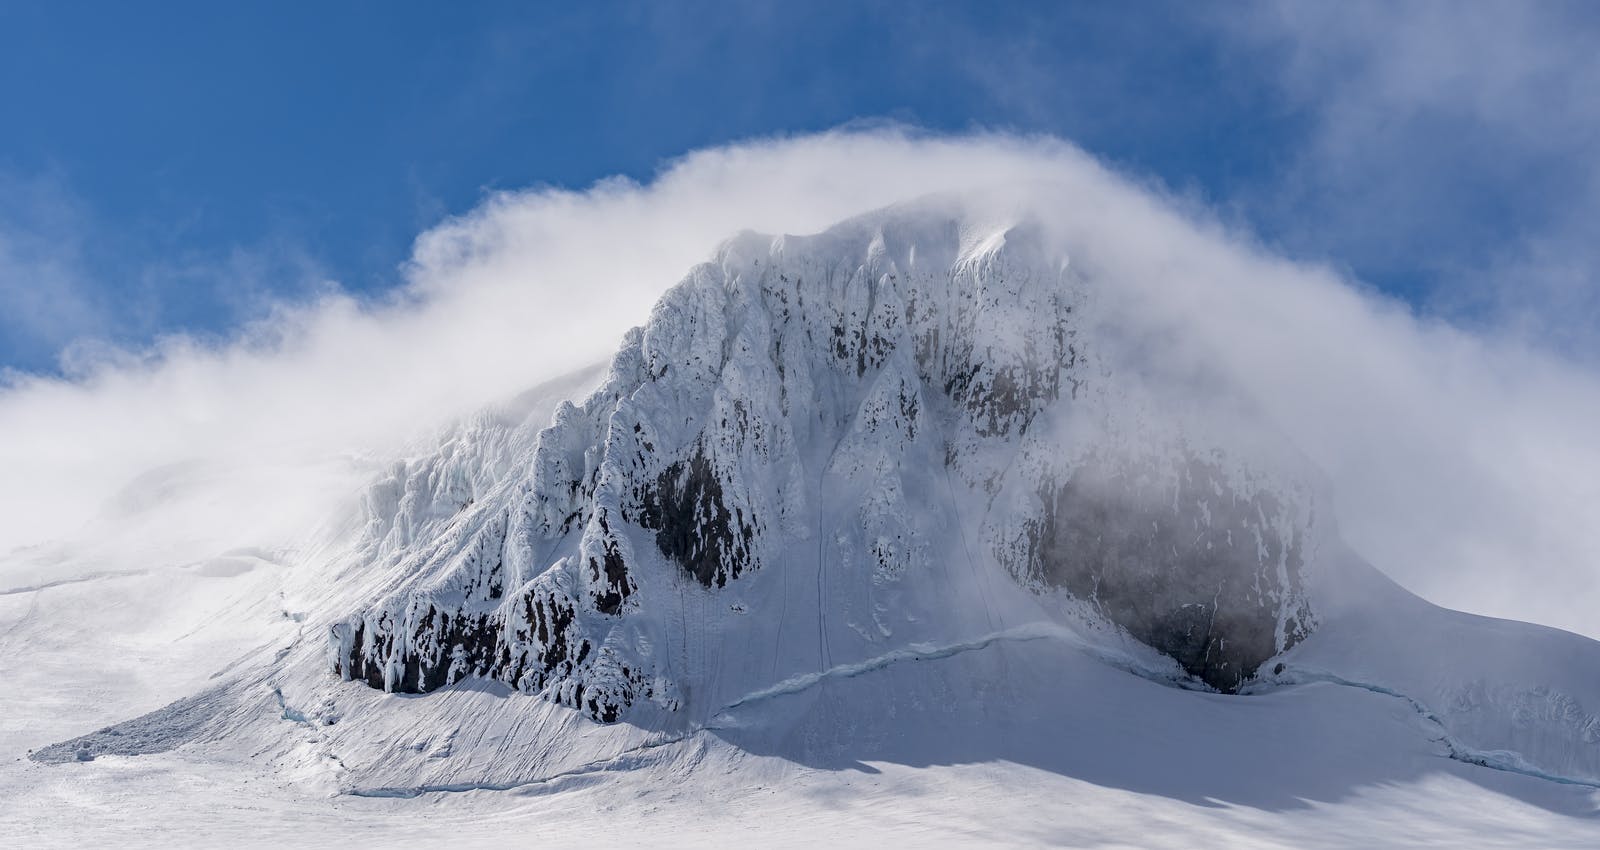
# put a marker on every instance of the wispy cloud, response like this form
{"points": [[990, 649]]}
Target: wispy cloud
{"points": [[74, 290], [44, 288], [1464, 463], [1452, 142]]}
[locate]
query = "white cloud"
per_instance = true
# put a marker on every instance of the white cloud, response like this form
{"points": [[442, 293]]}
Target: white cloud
{"points": [[1464, 463], [1451, 142], [46, 303]]}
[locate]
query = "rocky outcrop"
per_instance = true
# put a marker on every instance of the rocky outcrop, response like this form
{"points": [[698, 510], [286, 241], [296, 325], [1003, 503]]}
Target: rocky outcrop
{"points": [[1187, 563]]}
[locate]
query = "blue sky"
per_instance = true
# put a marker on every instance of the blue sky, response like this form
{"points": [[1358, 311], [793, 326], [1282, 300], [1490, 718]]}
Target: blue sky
{"points": [[183, 169]]}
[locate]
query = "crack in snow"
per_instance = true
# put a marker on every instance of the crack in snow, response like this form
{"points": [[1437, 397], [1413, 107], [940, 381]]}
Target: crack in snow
{"points": [[911, 652], [1508, 761]]}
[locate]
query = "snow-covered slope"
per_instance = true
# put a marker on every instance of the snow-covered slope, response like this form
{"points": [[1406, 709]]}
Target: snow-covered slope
{"points": [[903, 494], [1509, 695]]}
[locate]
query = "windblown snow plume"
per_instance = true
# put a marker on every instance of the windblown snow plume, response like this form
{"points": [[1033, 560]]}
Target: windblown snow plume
{"points": [[931, 456], [1482, 447]]}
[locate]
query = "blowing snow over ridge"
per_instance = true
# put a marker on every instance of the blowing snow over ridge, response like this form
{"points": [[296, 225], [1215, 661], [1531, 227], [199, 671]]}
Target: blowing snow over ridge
{"points": [[1460, 463]]}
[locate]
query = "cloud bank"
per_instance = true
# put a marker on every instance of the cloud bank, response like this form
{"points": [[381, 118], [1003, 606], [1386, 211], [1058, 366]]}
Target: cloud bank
{"points": [[1463, 464]]}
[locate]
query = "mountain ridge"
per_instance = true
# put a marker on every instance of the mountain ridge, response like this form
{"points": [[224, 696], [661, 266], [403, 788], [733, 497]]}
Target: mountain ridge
{"points": [[891, 357]]}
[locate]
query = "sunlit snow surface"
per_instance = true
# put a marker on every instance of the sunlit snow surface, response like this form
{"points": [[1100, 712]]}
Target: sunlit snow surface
{"points": [[1021, 741], [1112, 760]]}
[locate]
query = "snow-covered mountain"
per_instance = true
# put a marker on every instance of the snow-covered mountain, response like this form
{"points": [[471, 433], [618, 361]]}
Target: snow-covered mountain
{"points": [[904, 491], [908, 410]]}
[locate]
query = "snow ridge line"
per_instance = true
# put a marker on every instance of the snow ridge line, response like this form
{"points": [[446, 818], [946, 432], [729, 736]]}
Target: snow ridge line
{"points": [[911, 652], [37, 588], [1507, 761]]}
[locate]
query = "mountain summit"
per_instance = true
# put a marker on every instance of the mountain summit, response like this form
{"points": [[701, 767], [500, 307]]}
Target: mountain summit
{"points": [[902, 429]]}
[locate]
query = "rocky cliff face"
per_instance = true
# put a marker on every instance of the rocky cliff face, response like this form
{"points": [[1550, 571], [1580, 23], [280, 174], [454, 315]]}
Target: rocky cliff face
{"points": [[866, 407], [1187, 563]]}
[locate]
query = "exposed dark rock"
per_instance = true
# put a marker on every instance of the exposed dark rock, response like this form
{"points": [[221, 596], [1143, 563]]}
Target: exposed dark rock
{"points": [[460, 644], [534, 651], [1180, 561], [616, 586], [693, 525]]}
